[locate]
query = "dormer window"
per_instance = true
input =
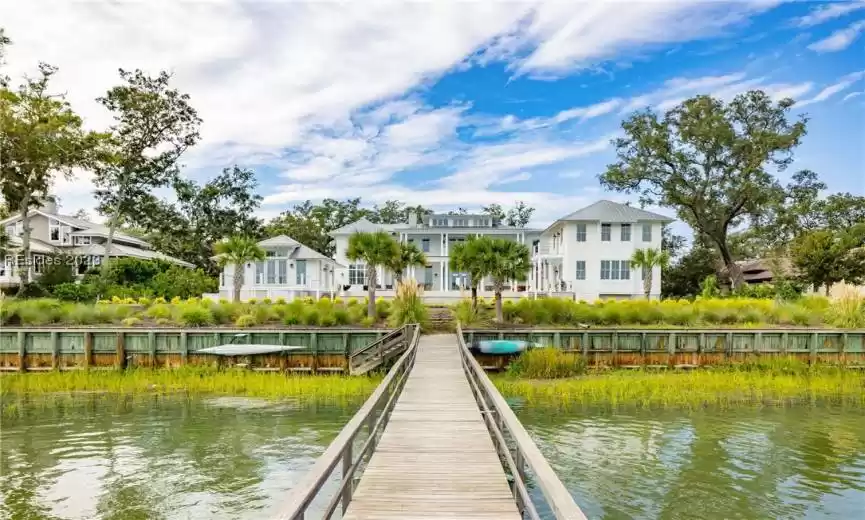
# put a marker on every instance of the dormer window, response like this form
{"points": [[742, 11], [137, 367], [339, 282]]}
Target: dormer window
{"points": [[53, 230]]}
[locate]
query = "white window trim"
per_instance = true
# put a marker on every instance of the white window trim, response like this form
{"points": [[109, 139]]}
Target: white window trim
{"points": [[577, 271], [609, 235], [647, 227], [582, 234], [622, 229]]}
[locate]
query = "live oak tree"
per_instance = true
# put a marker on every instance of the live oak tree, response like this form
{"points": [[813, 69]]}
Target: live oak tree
{"points": [[374, 250], [827, 256], [154, 125], [708, 160], [519, 215], [40, 137]]}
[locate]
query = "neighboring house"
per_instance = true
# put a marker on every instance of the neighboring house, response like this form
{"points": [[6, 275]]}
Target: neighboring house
{"points": [[584, 255], [79, 241], [289, 270]]}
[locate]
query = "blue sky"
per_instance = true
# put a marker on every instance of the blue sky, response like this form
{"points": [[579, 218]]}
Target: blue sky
{"points": [[452, 104]]}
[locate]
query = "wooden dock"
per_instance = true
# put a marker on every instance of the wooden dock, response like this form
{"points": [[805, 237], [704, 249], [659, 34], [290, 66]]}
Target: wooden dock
{"points": [[436, 458]]}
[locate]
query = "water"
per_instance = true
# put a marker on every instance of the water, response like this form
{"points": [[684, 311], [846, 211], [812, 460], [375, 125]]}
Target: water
{"points": [[235, 458], [743, 463], [158, 458]]}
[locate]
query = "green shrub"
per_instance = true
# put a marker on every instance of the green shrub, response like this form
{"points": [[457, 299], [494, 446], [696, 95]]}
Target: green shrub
{"points": [[341, 316], [291, 319], [157, 311], [82, 315], [327, 318], [195, 316], [310, 316], [162, 322], [131, 321], [547, 363], [246, 320], [366, 321], [382, 308], [39, 311], [264, 314], [357, 313], [73, 292]]}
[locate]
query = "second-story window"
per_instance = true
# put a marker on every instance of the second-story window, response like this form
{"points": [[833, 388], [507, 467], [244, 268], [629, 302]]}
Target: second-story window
{"points": [[647, 232], [626, 232], [53, 230], [606, 232], [424, 245], [581, 232]]}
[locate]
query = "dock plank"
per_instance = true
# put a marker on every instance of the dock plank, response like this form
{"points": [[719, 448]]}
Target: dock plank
{"points": [[435, 458]]}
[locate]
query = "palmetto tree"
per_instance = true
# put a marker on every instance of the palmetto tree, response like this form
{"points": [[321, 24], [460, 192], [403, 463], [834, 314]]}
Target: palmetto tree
{"points": [[373, 249], [238, 250], [465, 257], [647, 260], [505, 261], [409, 255]]}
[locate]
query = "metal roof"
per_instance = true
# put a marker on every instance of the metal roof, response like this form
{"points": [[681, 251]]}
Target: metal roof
{"points": [[609, 211]]}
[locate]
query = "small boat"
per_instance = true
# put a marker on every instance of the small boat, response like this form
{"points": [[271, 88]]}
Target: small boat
{"points": [[503, 346], [234, 349]]}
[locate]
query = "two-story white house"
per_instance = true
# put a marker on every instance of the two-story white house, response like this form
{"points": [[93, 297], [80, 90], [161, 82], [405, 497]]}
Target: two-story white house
{"points": [[587, 253], [77, 240], [289, 270]]}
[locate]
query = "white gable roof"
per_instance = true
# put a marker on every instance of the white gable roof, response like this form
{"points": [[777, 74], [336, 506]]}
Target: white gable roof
{"points": [[609, 211]]}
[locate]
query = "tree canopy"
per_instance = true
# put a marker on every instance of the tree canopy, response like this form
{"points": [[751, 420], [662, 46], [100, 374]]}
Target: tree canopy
{"points": [[237, 250], [374, 250], [825, 257], [708, 160]]}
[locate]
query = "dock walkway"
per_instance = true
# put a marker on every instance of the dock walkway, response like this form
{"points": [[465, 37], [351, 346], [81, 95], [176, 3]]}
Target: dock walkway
{"points": [[435, 459]]}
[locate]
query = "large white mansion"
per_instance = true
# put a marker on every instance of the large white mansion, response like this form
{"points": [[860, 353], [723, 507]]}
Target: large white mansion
{"points": [[584, 255]]}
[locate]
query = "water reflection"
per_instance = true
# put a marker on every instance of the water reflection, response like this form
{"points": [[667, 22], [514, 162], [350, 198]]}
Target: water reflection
{"points": [[745, 463], [155, 458]]}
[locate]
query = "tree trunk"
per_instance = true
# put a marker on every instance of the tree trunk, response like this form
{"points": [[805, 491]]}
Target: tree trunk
{"points": [[237, 281], [647, 284], [474, 297], [24, 270], [112, 226], [371, 281], [397, 277], [733, 270], [499, 315], [828, 288]]}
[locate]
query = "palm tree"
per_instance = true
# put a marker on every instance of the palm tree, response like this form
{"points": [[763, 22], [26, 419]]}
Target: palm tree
{"points": [[465, 257], [409, 255], [373, 249], [648, 259], [503, 260], [238, 250]]}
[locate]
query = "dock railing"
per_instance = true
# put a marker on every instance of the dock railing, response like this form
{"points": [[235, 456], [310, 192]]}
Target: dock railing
{"points": [[521, 451], [372, 417]]}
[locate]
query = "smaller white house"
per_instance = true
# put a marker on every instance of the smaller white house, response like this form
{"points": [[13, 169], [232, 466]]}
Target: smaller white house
{"points": [[289, 270]]}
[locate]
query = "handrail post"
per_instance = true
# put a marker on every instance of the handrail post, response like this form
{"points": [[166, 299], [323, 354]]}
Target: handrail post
{"points": [[346, 467]]}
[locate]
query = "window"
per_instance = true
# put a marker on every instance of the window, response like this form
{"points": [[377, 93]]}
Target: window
{"points": [[54, 230], [581, 232], [440, 222], [424, 245], [10, 230], [282, 272], [626, 232], [625, 270], [357, 274], [615, 269], [300, 272], [647, 232], [269, 253], [81, 241], [605, 270], [606, 231], [259, 272], [271, 271], [581, 269]]}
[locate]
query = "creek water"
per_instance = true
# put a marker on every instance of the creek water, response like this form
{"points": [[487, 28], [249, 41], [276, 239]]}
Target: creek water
{"points": [[151, 457]]}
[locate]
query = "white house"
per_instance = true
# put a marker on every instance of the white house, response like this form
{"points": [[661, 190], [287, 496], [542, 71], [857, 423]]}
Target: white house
{"points": [[289, 270], [77, 240], [584, 255], [587, 253]]}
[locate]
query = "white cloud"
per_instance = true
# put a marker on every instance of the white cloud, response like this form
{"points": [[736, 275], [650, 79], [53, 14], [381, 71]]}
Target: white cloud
{"points": [[570, 35], [840, 39], [827, 12], [851, 96], [843, 84]]}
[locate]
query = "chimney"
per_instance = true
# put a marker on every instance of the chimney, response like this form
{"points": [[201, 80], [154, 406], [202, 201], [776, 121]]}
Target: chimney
{"points": [[412, 218], [49, 205]]}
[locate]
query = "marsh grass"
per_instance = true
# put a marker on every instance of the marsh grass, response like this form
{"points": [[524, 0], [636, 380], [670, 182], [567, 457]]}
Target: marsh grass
{"points": [[190, 380], [811, 311], [726, 386], [547, 363], [408, 306], [193, 312]]}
